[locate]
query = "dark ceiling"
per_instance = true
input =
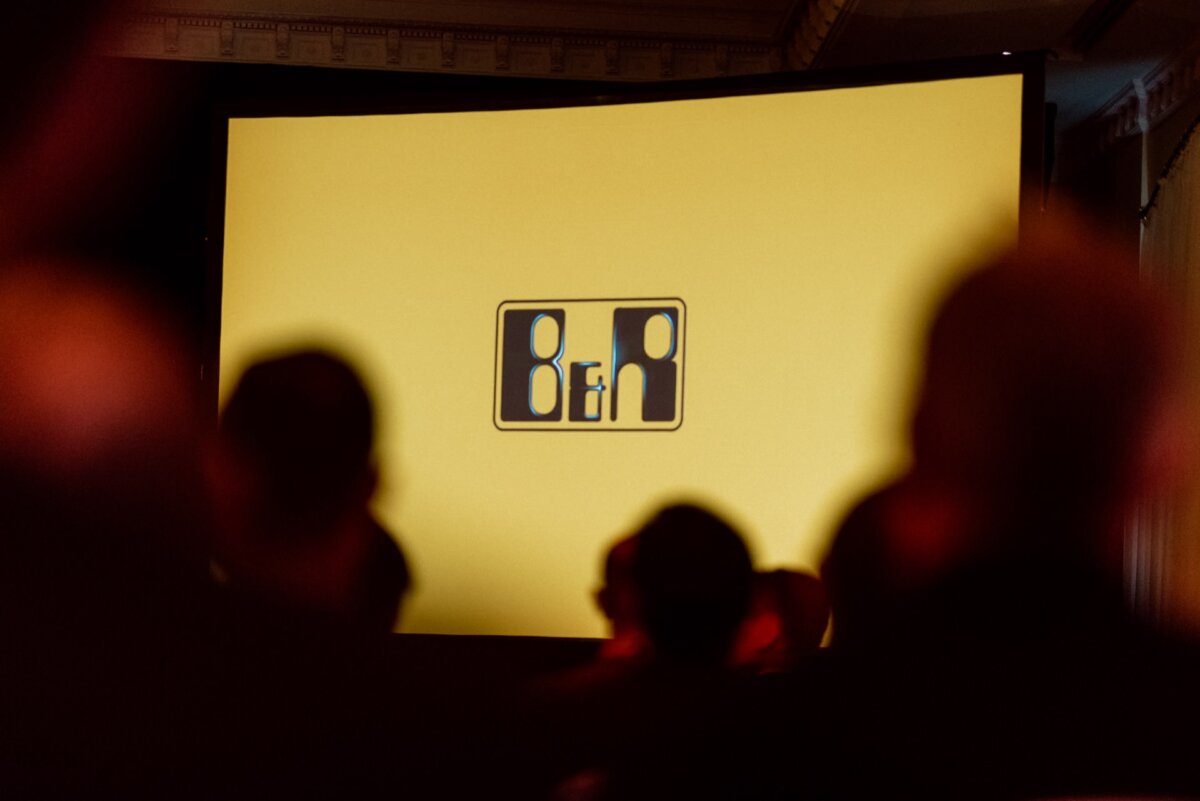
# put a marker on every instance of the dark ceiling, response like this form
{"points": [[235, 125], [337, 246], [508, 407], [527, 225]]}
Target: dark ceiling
{"points": [[1097, 46]]}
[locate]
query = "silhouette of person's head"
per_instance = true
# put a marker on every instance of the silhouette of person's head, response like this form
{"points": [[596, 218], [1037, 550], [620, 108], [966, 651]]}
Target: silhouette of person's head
{"points": [[304, 424], [692, 572], [293, 476], [1044, 381], [1047, 409]]}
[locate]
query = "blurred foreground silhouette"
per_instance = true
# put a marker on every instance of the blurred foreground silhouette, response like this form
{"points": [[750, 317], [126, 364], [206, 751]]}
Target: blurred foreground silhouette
{"points": [[982, 645], [102, 580]]}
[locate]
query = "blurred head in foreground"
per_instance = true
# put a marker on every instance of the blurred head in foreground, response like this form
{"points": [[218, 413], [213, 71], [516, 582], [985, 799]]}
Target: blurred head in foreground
{"points": [[1050, 392], [692, 573], [99, 468], [293, 474], [1050, 406]]}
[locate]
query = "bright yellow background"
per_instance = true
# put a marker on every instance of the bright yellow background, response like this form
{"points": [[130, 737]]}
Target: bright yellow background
{"points": [[804, 231]]}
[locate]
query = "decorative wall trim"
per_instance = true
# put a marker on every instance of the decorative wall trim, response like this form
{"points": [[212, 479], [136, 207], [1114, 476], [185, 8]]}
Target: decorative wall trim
{"points": [[1135, 110], [816, 20], [417, 47]]}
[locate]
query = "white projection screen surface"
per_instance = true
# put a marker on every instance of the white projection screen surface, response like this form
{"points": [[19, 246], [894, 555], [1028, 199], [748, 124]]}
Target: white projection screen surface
{"points": [[761, 266]]}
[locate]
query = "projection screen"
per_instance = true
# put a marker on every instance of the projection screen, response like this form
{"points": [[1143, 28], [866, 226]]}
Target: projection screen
{"points": [[757, 267]]}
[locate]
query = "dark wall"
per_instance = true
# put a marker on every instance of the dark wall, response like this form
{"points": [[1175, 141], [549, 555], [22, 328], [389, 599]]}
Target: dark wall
{"points": [[1109, 188]]}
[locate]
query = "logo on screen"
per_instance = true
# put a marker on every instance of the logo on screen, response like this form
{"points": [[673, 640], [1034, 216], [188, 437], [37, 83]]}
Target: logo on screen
{"points": [[590, 365]]}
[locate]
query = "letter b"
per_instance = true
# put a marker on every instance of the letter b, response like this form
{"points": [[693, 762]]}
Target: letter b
{"points": [[521, 361]]}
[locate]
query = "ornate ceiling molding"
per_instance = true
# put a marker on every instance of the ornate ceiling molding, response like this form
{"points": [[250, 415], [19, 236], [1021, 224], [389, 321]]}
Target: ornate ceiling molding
{"points": [[631, 40], [420, 47], [817, 20]]}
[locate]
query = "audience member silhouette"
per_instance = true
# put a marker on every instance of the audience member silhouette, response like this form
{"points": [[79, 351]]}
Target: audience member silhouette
{"points": [[293, 477], [692, 575], [983, 647], [311, 584], [663, 725]]}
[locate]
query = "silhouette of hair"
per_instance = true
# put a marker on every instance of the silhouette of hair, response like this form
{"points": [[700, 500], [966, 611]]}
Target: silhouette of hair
{"points": [[693, 574], [305, 423]]}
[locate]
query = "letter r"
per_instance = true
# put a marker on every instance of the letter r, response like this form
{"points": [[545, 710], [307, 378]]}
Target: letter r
{"points": [[660, 376]]}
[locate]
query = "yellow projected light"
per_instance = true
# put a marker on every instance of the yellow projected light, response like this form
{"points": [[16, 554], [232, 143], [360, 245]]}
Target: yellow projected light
{"points": [[775, 253]]}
